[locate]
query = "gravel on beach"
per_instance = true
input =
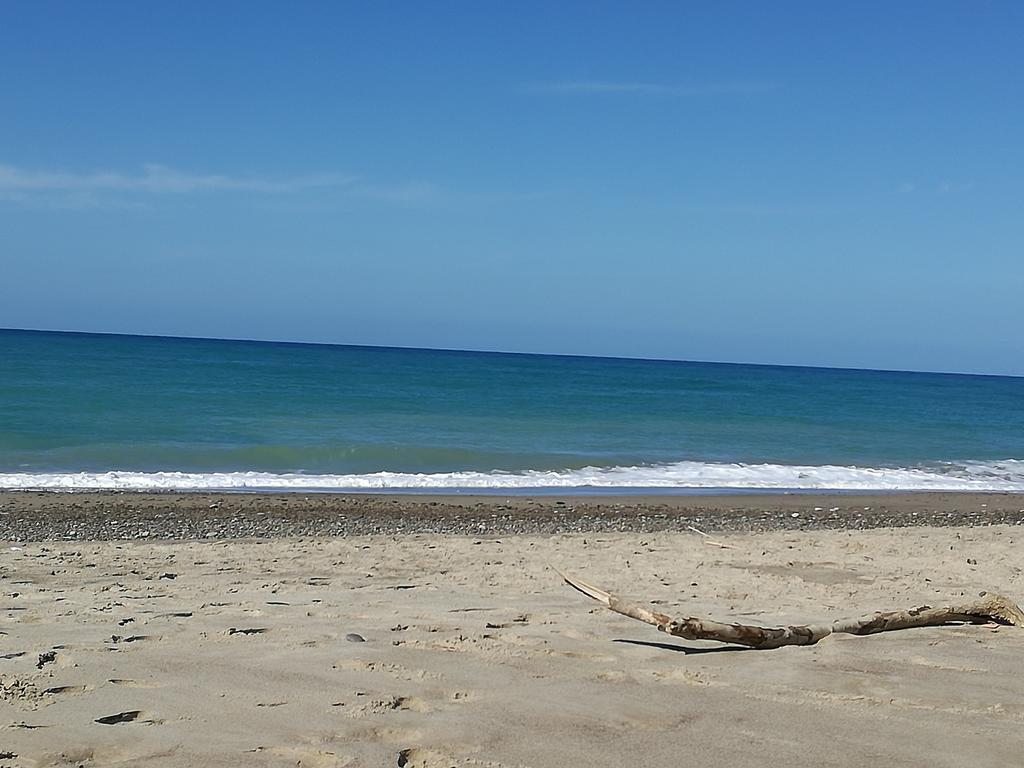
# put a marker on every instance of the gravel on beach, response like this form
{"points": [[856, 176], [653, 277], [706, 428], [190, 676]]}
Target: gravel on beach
{"points": [[68, 516]]}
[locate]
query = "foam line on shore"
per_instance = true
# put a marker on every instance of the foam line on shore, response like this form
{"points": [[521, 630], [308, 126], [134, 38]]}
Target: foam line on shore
{"points": [[1005, 475]]}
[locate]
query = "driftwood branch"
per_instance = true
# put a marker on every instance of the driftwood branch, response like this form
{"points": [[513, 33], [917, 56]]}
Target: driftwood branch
{"points": [[708, 539], [987, 608]]}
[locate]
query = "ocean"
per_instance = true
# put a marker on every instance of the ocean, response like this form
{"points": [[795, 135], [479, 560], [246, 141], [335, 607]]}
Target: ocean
{"points": [[90, 411]]}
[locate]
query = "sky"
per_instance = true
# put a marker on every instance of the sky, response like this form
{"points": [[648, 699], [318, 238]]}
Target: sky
{"points": [[791, 183]]}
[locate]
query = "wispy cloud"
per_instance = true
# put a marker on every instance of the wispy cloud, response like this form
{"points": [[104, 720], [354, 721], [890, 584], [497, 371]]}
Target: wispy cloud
{"points": [[66, 189], [943, 187], [946, 186], [650, 88], [157, 179]]}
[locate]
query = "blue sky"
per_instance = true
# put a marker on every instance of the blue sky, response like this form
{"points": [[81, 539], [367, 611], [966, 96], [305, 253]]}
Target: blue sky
{"points": [[798, 183]]}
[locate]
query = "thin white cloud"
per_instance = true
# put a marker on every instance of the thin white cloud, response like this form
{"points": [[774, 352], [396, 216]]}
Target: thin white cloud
{"points": [[650, 88], [942, 187], [106, 189], [156, 179]]}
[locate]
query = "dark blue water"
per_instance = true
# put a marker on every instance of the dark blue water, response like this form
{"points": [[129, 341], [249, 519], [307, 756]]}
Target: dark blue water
{"points": [[76, 407]]}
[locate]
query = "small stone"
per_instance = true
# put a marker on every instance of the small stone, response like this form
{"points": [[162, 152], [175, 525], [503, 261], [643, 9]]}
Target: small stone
{"points": [[352, 637]]}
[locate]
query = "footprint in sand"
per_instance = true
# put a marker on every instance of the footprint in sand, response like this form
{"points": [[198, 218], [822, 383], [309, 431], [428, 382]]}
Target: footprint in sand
{"points": [[417, 757], [427, 700], [132, 683], [519, 621], [63, 689], [386, 704], [247, 631], [129, 716], [306, 757], [132, 638], [384, 735], [396, 671], [120, 717], [79, 756], [423, 758]]}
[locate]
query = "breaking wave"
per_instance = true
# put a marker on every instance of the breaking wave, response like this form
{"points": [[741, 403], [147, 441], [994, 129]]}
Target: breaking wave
{"points": [[1005, 475]]}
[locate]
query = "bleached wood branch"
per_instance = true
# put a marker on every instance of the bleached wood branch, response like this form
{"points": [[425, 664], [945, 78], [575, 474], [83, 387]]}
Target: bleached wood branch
{"points": [[988, 607], [708, 539]]}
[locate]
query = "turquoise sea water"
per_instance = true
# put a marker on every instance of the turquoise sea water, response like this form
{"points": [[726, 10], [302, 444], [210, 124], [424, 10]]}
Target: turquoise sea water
{"points": [[81, 411]]}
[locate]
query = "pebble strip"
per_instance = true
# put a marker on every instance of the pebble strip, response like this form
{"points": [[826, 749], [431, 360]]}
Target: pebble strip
{"points": [[63, 516]]}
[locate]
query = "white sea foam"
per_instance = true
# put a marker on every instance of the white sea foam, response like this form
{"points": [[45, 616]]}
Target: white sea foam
{"points": [[1005, 475]]}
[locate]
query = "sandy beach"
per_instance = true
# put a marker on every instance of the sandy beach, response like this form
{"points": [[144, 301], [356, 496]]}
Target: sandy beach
{"points": [[450, 647]]}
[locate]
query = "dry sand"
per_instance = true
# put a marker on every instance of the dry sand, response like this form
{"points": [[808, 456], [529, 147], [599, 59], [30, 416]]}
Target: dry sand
{"points": [[438, 650]]}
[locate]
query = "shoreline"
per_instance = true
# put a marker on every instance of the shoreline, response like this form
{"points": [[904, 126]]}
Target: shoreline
{"points": [[171, 515]]}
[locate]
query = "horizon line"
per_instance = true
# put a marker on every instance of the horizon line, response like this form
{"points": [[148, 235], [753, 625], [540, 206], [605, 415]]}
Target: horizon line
{"points": [[503, 352]]}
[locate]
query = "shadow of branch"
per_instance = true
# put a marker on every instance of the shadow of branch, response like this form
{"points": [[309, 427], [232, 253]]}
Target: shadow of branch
{"points": [[683, 648]]}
